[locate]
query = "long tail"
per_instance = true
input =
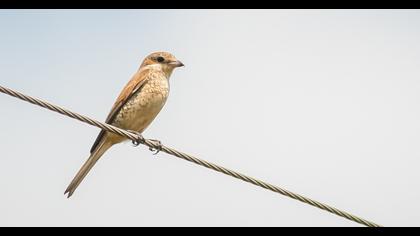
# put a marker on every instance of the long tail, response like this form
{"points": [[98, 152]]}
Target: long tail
{"points": [[94, 157]]}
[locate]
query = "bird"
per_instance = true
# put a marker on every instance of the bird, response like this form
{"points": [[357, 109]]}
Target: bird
{"points": [[135, 108]]}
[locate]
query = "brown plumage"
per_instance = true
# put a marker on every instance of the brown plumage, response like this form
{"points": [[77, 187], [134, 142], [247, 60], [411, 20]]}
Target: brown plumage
{"points": [[135, 108]]}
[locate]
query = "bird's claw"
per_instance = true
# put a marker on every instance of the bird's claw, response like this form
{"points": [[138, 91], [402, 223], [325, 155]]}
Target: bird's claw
{"points": [[140, 138], [158, 145]]}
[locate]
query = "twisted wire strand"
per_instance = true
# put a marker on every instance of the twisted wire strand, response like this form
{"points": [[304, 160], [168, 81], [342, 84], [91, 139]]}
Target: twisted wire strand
{"points": [[138, 139]]}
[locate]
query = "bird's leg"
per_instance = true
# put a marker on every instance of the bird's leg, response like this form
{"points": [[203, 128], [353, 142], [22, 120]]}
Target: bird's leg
{"points": [[158, 145], [140, 138]]}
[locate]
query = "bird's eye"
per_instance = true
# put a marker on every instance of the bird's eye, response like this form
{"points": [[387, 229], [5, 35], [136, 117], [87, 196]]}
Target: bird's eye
{"points": [[160, 59]]}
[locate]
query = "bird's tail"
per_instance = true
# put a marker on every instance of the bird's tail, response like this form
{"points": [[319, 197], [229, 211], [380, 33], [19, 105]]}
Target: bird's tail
{"points": [[94, 157]]}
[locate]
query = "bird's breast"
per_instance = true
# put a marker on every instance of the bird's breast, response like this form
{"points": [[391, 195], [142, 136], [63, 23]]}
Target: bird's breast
{"points": [[144, 105]]}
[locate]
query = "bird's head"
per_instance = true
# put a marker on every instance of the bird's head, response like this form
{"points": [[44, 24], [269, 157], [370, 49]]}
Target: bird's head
{"points": [[162, 60]]}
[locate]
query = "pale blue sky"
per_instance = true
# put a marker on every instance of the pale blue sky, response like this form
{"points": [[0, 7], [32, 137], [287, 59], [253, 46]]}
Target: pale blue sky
{"points": [[321, 102]]}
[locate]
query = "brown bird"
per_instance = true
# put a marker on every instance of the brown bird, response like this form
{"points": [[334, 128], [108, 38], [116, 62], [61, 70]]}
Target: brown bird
{"points": [[135, 108]]}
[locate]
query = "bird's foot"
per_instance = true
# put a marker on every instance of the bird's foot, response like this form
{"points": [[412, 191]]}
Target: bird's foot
{"points": [[140, 139], [158, 145]]}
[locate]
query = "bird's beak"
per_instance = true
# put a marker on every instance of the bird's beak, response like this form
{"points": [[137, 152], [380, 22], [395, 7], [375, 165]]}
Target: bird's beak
{"points": [[176, 63]]}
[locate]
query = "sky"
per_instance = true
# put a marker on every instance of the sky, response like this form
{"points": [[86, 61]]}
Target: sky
{"points": [[323, 103]]}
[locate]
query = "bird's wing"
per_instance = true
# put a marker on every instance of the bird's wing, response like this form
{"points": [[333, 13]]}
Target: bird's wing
{"points": [[134, 85]]}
